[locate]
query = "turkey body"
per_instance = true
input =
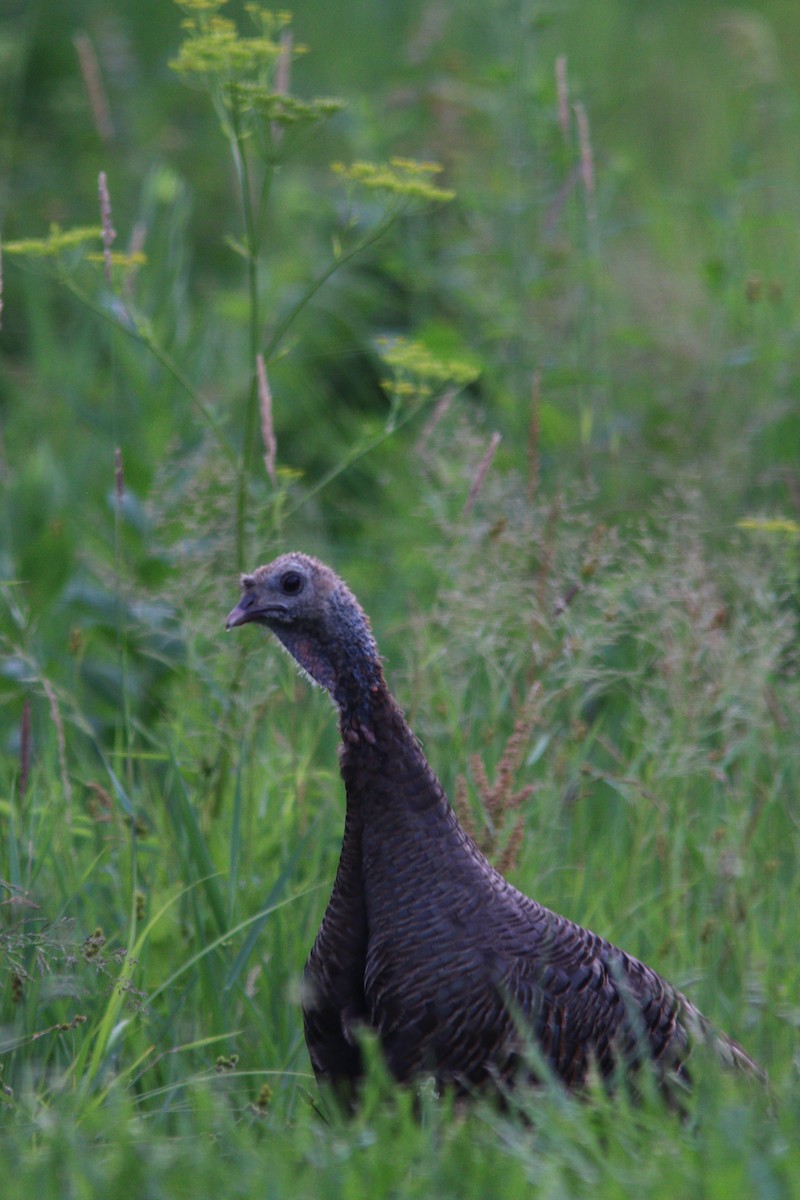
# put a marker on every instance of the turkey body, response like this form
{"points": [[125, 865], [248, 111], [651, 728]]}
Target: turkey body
{"points": [[458, 972]]}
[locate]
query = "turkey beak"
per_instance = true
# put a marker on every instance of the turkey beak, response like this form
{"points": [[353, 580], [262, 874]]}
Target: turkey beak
{"points": [[245, 611]]}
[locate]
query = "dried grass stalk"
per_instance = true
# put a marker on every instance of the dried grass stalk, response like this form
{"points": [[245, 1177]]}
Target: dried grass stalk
{"points": [[267, 429]]}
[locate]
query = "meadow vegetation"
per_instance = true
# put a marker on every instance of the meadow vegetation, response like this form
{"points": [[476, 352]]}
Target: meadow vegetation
{"points": [[494, 308]]}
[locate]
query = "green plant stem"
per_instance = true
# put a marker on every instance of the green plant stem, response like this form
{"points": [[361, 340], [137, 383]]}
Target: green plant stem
{"points": [[285, 323], [252, 239], [360, 452], [160, 354], [122, 652], [252, 229]]}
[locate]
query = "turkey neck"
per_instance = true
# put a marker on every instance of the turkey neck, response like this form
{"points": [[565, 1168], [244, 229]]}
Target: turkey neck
{"points": [[393, 796]]}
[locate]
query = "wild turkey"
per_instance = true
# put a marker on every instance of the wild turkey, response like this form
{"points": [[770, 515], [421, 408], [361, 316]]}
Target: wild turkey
{"points": [[423, 940]]}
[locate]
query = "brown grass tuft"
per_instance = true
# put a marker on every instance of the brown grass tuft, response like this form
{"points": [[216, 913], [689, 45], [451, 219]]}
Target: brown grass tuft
{"points": [[481, 471], [503, 829]]}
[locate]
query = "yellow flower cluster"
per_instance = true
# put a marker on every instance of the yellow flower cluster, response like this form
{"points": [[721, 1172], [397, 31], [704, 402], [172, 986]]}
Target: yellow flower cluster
{"points": [[400, 176], [57, 241], [770, 524], [118, 258], [417, 370], [214, 48], [219, 50], [280, 107]]}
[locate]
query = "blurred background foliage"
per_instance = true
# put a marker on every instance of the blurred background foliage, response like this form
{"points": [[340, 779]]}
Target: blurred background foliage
{"points": [[651, 307]]}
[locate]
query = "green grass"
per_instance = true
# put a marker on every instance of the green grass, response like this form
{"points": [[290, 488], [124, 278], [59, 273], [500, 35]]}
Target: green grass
{"points": [[621, 589]]}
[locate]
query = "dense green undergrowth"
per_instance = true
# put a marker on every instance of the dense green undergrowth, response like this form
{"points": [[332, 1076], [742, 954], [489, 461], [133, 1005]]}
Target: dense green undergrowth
{"points": [[592, 624]]}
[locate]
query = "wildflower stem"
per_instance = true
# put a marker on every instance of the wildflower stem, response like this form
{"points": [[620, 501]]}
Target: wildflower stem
{"points": [[252, 230], [359, 452], [288, 319], [145, 338]]}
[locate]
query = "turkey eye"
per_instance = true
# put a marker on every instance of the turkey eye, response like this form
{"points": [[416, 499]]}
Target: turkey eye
{"points": [[291, 583]]}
